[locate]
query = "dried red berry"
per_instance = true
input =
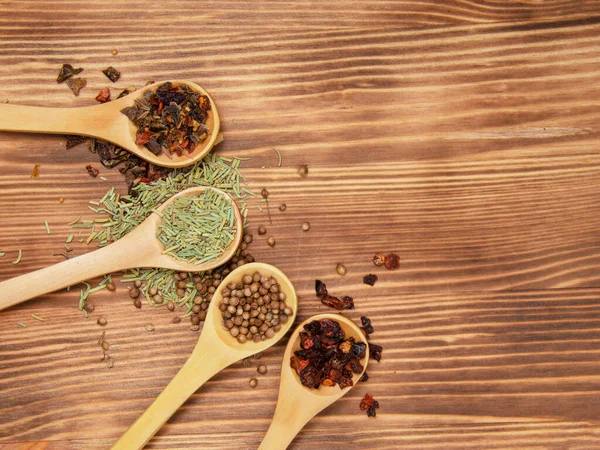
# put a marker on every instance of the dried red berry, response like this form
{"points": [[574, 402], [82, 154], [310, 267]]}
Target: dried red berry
{"points": [[392, 261], [103, 96], [92, 171], [375, 351], [142, 138], [370, 279], [320, 288], [339, 304], [370, 404], [367, 328]]}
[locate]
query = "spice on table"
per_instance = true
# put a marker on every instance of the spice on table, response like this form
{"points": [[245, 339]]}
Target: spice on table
{"points": [[67, 71], [370, 279], [76, 85], [61, 200], [105, 346], [36, 171], [2, 254], [366, 328], [379, 259], [149, 327], [305, 226], [134, 292], [112, 74], [253, 382], [320, 288], [391, 261], [364, 378], [303, 171], [114, 52], [262, 369], [171, 119], [375, 351], [111, 286], [37, 318], [22, 325], [340, 269], [74, 140], [92, 171], [278, 156], [47, 226], [101, 321], [326, 357], [103, 96], [254, 308], [369, 404], [282, 207], [197, 229], [19, 257], [262, 230], [271, 241], [176, 319], [331, 301], [137, 303], [258, 355], [89, 306]]}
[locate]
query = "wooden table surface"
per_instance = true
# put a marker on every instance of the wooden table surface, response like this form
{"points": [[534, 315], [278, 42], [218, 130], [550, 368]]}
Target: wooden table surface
{"points": [[462, 135]]}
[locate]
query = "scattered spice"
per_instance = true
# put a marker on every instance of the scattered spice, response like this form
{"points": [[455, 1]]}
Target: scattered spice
{"points": [[303, 171], [262, 369], [61, 200], [246, 362], [278, 156], [306, 226], [253, 382], [199, 228], [76, 85], [282, 207], [149, 327], [370, 279], [92, 171], [340, 269], [101, 321], [103, 96], [19, 257], [364, 378], [67, 71], [111, 286], [105, 346], [112, 74], [114, 52], [258, 355], [176, 319], [262, 230], [332, 302], [326, 357], [47, 226], [264, 193], [320, 288], [2, 254], [367, 328], [73, 140], [369, 404], [137, 303], [21, 324], [375, 351], [134, 292], [390, 261], [37, 318], [170, 119], [271, 241], [35, 172], [254, 308]]}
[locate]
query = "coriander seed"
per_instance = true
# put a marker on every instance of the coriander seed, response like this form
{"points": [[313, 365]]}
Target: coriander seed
{"points": [[262, 230], [137, 303], [253, 382], [137, 283], [101, 321], [134, 292], [340, 269], [306, 226], [111, 286], [61, 200], [282, 207], [105, 346], [303, 171], [170, 305], [262, 369], [271, 241], [264, 193]]}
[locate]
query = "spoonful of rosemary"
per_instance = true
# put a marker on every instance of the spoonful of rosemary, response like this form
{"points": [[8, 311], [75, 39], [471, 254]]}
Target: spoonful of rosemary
{"points": [[194, 231], [170, 124]]}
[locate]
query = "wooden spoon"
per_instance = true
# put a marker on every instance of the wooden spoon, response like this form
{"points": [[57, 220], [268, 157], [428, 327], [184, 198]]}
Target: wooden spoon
{"points": [[297, 404], [215, 350], [105, 121], [138, 248]]}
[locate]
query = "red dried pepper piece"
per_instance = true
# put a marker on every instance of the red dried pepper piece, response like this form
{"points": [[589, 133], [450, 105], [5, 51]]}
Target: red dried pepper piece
{"points": [[142, 138], [320, 288], [370, 279], [103, 96], [392, 261], [92, 171], [339, 304]]}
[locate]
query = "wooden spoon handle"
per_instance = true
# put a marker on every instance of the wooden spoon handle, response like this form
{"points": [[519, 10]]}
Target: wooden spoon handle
{"points": [[291, 414], [117, 256], [35, 119], [204, 363]]}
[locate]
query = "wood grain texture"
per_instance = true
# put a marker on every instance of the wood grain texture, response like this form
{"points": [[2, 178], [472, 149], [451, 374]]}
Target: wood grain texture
{"points": [[462, 135]]}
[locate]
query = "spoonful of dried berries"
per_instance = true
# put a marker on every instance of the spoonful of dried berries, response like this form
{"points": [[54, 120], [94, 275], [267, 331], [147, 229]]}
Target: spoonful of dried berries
{"points": [[325, 357], [170, 124]]}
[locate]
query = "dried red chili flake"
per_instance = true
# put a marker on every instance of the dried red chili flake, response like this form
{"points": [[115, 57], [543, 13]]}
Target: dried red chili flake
{"points": [[320, 288], [370, 404], [142, 138], [103, 96], [367, 328], [92, 171], [370, 279], [326, 357], [375, 351], [339, 304], [392, 261]]}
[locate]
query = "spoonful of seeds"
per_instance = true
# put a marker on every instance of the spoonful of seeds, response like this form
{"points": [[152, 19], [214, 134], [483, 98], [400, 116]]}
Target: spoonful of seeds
{"points": [[170, 124], [196, 230], [325, 357], [254, 293]]}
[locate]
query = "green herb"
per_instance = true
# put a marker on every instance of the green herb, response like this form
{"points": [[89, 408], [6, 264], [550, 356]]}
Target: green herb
{"points": [[47, 226], [18, 260], [37, 318], [21, 324], [69, 238]]}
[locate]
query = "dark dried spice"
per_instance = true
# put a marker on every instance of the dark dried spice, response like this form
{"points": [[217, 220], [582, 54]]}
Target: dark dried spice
{"points": [[339, 304], [92, 171], [326, 357], [320, 288], [103, 96], [370, 279], [124, 93], [369, 404], [36, 171], [112, 73], [172, 119], [76, 84], [375, 351], [392, 261], [74, 141], [67, 71], [364, 378], [367, 328]]}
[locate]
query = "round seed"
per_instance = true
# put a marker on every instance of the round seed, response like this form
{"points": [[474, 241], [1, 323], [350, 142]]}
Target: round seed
{"points": [[306, 226], [253, 382], [340, 269], [101, 321], [137, 283], [282, 207], [137, 303], [149, 327], [105, 346], [303, 170], [262, 369], [248, 238], [271, 241], [110, 286], [262, 230], [134, 292], [152, 291], [170, 305]]}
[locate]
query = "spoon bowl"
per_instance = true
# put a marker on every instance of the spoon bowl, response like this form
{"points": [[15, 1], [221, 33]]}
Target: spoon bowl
{"points": [[297, 404], [139, 248], [106, 121], [215, 350]]}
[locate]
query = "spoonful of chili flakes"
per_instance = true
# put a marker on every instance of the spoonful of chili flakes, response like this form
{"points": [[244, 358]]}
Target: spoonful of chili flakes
{"points": [[170, 124]]}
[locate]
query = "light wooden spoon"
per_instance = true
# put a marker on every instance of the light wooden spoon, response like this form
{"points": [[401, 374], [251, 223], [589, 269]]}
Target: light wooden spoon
{"points": [[138, 248], [215, 350], [105, 121], [297, 404]]}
